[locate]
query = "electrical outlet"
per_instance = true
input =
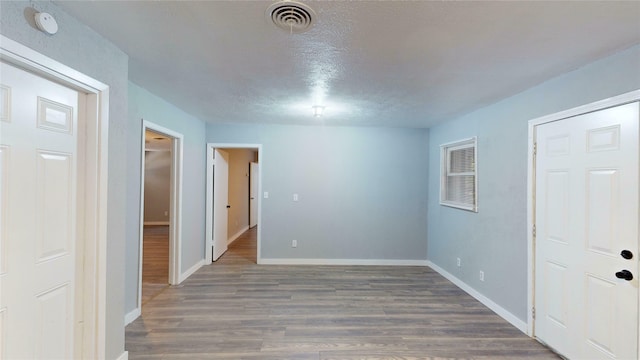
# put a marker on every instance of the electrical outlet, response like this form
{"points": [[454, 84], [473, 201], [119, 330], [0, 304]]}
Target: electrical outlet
{"points": [[458, 262], [481, 275], [295, 197], [294, 243]]}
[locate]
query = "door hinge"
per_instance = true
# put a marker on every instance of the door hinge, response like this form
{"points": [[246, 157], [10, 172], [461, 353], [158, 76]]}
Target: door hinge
{"points": [[533, 312], [533, 231], [535, 149]]}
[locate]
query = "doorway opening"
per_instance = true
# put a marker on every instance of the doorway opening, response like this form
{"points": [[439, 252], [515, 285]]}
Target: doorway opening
{"points": [[156, 226], [160, 211], [233, 202]]}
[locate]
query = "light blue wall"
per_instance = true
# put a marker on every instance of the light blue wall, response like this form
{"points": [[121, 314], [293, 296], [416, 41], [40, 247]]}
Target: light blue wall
{"points": [[147, 106], [495, 239], [82, 49], [362, 191]]}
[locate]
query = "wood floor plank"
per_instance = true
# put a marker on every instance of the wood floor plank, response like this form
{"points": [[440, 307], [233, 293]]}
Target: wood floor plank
{"points": [[155, 261], [235, 309]]}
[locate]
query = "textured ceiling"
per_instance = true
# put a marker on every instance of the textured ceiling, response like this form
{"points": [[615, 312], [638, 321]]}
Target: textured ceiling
{"points": [[408, 64]]}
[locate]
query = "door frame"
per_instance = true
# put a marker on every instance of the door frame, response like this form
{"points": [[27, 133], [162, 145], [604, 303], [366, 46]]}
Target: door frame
{"points": [[622, 99], [175, 205], [93, 178], [209, 201]]}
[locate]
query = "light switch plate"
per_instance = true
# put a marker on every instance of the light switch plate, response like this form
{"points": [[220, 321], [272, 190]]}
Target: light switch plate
{"points": [[266, 194]]}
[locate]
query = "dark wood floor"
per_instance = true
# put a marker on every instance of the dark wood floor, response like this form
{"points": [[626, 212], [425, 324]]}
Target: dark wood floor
{"points": [[235, 309]]}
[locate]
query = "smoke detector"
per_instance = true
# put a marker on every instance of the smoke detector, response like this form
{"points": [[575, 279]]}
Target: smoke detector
{"points": [[46, 23], [291, 16]]}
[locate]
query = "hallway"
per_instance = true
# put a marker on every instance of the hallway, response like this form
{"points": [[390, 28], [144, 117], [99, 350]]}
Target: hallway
{"points": [[242, 251]]}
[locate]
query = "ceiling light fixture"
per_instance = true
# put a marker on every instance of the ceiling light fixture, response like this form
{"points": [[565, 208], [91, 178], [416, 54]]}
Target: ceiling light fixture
{"points": [[318, 110]]}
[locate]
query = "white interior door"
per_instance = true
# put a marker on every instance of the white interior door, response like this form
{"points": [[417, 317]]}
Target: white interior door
{"points": [[220, 202], [38, 155], [586, 215], [254, 177]]}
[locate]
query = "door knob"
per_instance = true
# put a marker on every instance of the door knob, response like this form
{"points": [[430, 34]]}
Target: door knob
{"points": [[626, 254], [624, 274]]}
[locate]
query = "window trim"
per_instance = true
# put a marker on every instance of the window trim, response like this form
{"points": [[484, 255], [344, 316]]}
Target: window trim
{"points": [[445, 150]]}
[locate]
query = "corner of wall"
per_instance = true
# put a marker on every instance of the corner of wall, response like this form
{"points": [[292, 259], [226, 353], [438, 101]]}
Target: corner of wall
{"points": [[499, 310]]}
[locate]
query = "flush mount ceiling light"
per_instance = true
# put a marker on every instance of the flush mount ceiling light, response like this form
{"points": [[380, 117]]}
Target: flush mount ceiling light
{"points": [[318, 110], [291, 16]]}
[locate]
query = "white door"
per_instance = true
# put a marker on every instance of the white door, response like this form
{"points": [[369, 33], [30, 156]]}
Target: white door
{"points": [[39, 139], [586, 215], [254, 177], [220, 202]]}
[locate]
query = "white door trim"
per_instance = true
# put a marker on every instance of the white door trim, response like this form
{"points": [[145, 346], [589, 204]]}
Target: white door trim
{"points": [[95, 183], [209, 201], [595, 106], [175, 204]]}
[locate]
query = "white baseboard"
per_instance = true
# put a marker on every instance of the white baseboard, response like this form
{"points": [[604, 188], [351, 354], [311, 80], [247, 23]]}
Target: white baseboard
{"points": [[237, 235], [191, 270], [131, 316], [502, 312], [123, 356], [156, 222], [385, 262]]}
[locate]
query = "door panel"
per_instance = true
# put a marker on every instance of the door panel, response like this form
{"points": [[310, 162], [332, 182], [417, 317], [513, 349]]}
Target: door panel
{"points": [[39, 165], [52, 313], [602, 197], [254, 178], [54, 203], [4, 209], [557, 206], [220, 202], [556, 297], [586, 214], [600, 327], [3, 332]]}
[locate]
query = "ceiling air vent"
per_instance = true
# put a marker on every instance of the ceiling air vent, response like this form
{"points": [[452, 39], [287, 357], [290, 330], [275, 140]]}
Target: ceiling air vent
{"points": [[291, 16]]}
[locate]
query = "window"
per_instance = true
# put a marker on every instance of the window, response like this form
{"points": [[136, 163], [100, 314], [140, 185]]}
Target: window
{"points": [[458, 184]]}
